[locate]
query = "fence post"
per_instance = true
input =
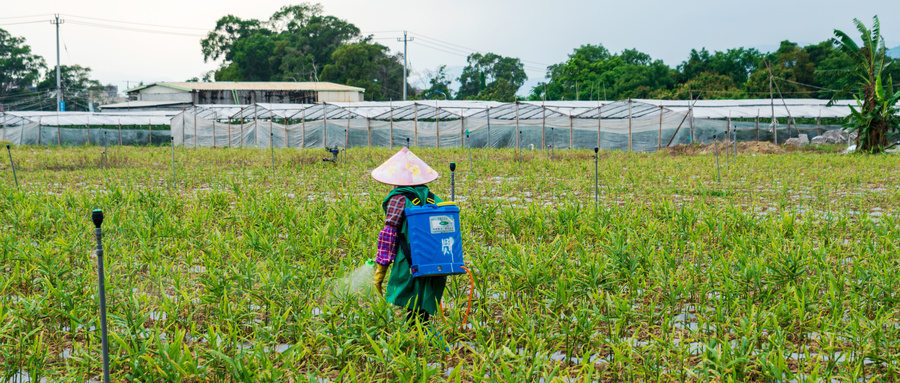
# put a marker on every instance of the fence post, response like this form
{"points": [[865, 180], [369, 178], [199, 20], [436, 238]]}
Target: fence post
{"points": [[629, 125], [659, 139]]}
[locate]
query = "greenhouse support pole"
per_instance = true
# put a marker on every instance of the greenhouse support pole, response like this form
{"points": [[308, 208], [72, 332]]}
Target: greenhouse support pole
{"points": [[149, 132], [571, 135], [58, 142], [40, 120], [242, 127], [629, 124], [391, 106], [727, 138], [256, 125], [22, 130], [120, 131], [368, 132], [462, 131], [324, 125], [271, 132], [88, 128], [195, 128], [543, 123], [228, 142], [757, 125], [488, 111], [518, 147], [303, 129], [818, 124], [183, 128], [437, 125], [416, 124], [214, 128], [772, 98], [690, 115], [347, 133], [4, 126], [659, 138]]}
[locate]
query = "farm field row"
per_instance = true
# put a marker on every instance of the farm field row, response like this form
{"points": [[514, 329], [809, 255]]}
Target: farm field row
{"points": [[785, 270]]}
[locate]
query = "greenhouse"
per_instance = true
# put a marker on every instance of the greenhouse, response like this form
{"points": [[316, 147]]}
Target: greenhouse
{"points": [[636, 124], [82, 128]]}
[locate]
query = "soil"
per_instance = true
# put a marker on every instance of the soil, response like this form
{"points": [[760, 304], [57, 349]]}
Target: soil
{"points": [[752, 147]]}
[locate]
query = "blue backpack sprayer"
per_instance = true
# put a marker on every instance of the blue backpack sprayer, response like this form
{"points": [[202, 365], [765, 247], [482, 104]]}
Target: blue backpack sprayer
{"points": [[435, 240]]}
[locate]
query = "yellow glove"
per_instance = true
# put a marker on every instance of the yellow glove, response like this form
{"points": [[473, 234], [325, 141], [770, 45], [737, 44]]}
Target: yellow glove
{"points": [[380, 271]]}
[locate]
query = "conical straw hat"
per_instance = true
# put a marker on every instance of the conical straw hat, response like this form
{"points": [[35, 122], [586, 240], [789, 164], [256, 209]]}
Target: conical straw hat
{"points": [[404, 169]]}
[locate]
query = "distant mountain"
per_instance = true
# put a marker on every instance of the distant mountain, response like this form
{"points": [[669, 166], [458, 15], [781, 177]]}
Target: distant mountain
{"points": [[895, 53]]}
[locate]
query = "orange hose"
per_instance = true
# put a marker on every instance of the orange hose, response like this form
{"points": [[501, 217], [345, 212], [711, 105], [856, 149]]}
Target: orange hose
{"points": [[469, 307], [471, 291]]}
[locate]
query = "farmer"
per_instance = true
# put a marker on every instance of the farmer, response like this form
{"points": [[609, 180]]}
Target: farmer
{"points": [[421, 295]]}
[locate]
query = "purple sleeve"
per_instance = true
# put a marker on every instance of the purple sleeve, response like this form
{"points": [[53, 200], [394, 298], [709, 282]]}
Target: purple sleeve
{"points": [[387, 245]]}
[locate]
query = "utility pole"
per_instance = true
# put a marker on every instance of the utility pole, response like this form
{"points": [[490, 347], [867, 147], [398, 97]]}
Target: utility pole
{"points": [[57, 22], [404, 40]]}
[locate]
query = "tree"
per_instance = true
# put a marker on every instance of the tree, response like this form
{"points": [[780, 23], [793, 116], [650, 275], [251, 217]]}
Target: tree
{"points": [[592, 72], [295, 44], [368, 66], [19, 68], [77, 85], [793, 72], [874, 115], [735, 63], [439, 84], [491, 77]]}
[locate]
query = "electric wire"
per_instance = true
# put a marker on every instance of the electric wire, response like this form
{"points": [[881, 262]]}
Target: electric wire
{"points": [[115, 27], [25, 17], [24, 22], [135, 23], [470, 49]]}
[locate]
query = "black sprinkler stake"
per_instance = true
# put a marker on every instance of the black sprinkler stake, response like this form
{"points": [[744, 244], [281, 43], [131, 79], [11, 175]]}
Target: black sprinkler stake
{"points": [[453, 181], [13, 166], [97, 217]]}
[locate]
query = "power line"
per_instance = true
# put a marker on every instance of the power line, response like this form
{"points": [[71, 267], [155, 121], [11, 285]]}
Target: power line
{"points": [[134, 23], [24, 22], [470, 49], [460, 53], [25, 17], [115, 27]]}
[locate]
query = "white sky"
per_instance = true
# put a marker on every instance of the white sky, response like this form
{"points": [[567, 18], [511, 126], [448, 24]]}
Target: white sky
{"points": [[538, 32]]}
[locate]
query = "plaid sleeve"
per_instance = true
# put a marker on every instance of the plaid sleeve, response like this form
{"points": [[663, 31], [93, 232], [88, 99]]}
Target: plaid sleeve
{"points": [[393, 215], [387, 245]]}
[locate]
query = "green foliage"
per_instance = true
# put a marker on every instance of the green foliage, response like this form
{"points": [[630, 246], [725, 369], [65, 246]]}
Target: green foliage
{"points": [[295, 44], [368, 66], [19, 68], [439, 85], [491, 77], [764, 277], [592, 72], [76, 83], [874, 117]]}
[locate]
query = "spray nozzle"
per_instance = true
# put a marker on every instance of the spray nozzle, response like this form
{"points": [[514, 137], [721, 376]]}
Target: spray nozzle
{"points": [[453, 166], [97, 217], [596, 150]]}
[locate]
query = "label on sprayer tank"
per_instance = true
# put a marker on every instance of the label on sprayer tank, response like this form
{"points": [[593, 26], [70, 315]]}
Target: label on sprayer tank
{"points": [[441, 224]]}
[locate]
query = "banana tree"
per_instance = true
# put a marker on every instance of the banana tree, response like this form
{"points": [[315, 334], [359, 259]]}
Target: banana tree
{"points": [[873, 118]]}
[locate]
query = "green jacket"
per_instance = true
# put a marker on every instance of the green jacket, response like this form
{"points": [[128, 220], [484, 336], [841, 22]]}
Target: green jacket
{"points": [[423, 293]]}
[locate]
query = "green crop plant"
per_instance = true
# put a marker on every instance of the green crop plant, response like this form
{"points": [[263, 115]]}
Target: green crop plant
{"points": [[786, 270]]}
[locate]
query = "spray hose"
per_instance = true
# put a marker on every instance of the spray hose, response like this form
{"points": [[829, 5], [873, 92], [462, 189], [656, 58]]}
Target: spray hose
{"points": [[469, 306]]}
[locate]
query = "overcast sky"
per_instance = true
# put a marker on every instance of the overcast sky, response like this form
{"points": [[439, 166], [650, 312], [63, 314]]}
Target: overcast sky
{"points": [[538, 32]]}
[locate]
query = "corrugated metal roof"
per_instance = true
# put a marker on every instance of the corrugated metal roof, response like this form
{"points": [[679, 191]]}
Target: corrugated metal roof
{"points": [[255, 85], [142, 104]]}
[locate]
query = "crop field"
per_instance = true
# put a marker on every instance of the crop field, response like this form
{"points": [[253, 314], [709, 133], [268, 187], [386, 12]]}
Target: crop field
{"points": [[786, 270]]}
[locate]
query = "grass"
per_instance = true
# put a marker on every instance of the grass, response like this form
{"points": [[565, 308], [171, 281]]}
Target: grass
{"points": [[784, 271]]}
